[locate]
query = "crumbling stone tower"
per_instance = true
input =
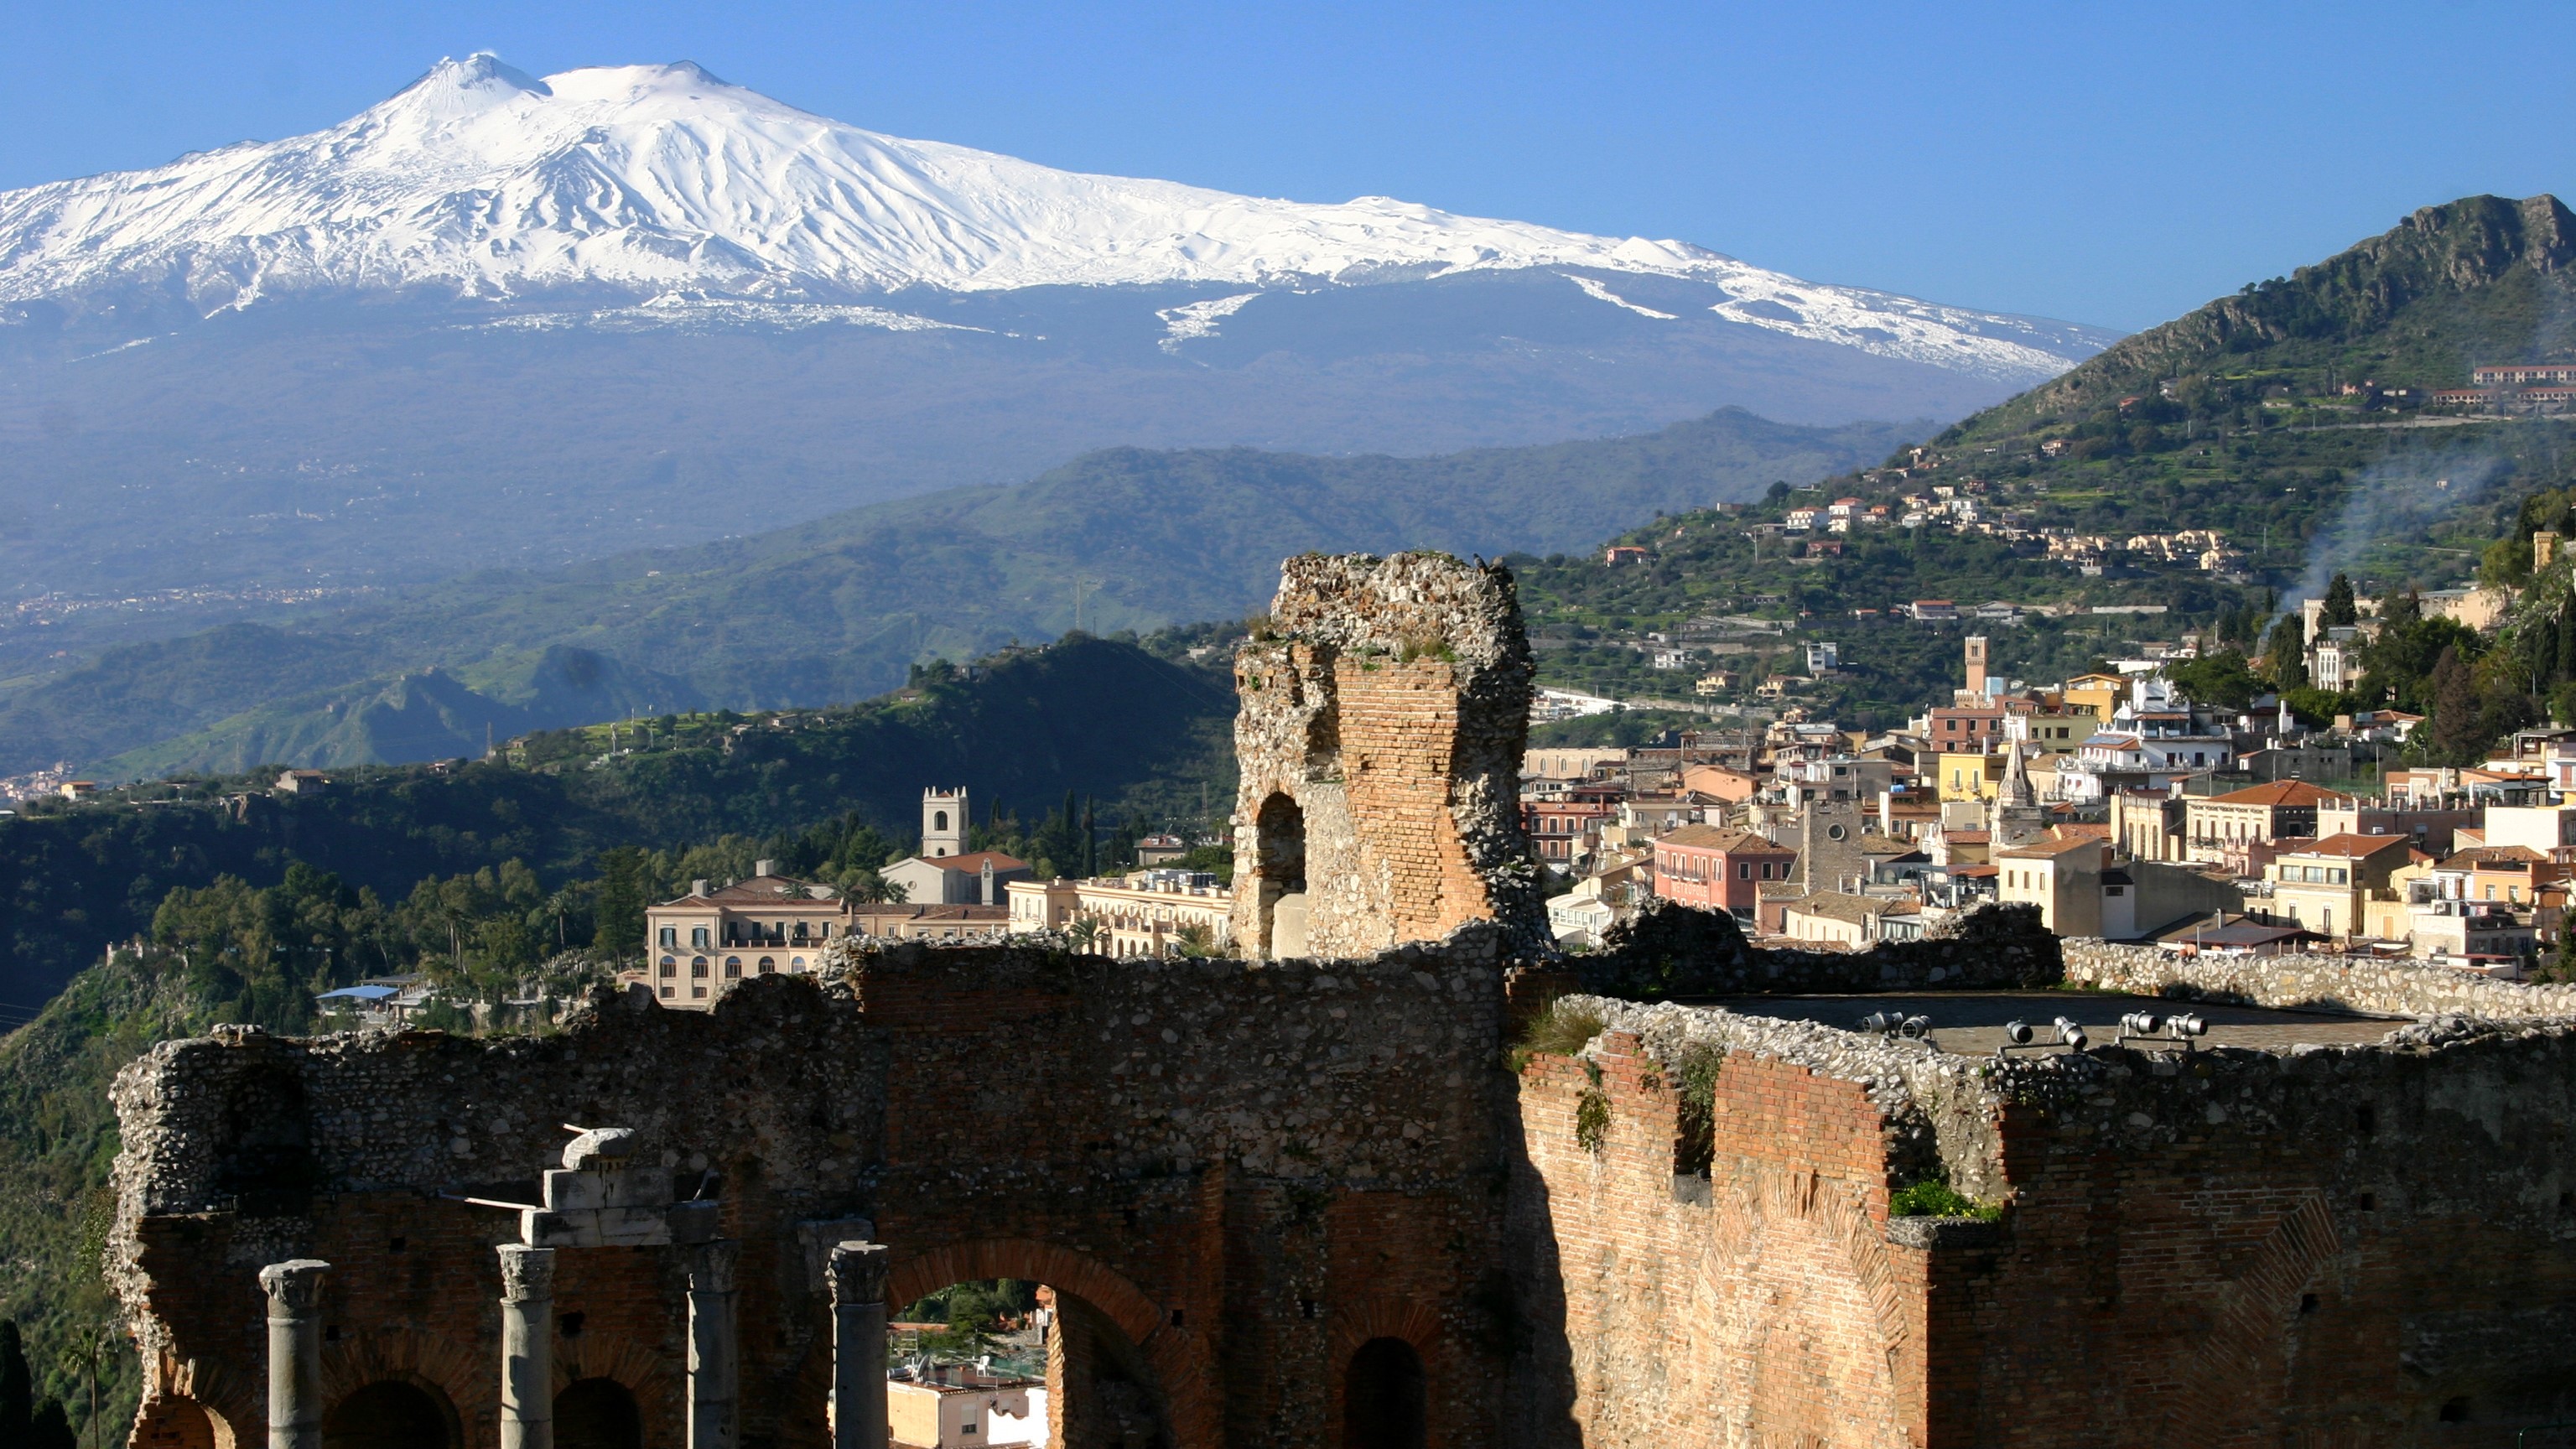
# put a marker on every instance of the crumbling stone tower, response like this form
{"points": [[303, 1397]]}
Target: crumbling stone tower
{"points": [[1385, 709]]}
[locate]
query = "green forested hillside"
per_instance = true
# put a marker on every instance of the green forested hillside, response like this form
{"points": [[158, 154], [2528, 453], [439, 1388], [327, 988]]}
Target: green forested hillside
{"points": [[1140, 733], [841, 608], [2293, 419], [477, 873]]}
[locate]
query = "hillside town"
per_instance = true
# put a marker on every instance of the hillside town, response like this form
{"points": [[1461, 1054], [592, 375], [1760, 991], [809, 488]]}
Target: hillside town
{"points": [[2113, 803]]}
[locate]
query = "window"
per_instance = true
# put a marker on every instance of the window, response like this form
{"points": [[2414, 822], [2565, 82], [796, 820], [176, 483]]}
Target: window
{"points": [[795, 963], [670, 991], [697, 991], [733, 968], [670, 935], [1744, 870], [698, 937], [670, 967], [768, 964], [698, 966]]}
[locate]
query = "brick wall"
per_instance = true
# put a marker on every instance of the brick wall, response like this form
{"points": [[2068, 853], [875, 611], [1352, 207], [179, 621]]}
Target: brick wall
{"points": [[2321, 1247], [1388, 701], [1231, 1169]]}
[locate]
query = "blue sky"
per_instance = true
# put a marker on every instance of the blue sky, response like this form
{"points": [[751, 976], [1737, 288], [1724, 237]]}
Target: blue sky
{"points": [[2115, 166]]}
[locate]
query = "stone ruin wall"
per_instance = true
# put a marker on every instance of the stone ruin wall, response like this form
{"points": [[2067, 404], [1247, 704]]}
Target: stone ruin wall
{"points": [[2393, 988], [1385, 708], [1236, 1173], [2329, 1246]]}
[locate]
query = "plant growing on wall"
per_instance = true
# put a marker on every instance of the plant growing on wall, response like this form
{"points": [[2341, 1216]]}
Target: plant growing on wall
{"points": [[1592, 1113]]}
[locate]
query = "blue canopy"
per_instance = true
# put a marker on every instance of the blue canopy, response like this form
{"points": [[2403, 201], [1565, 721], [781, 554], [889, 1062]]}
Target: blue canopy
{"points": [[360, 993]]}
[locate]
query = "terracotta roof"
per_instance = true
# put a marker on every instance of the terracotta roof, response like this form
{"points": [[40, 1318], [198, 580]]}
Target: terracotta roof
{"points": [[899, 911], [973, 863], [1720, 837], [1836, 906], [2050, 849], [762, 890], [2279, 792], [2350, 846], [2481, 854]]}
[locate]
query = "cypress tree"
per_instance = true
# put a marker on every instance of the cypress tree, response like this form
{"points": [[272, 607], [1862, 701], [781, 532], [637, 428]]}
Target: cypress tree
{"points": [[51, 1428], [17, 1386], [2341, 608]]}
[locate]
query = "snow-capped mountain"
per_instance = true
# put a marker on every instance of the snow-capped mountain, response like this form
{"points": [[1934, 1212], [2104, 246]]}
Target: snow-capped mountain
{"points": [[631, 188]]}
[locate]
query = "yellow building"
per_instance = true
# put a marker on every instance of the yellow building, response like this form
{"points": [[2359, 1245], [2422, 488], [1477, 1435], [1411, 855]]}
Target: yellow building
{"points": [[2098, 695], [1142, 914], [2326, 887], [1970, 776]]}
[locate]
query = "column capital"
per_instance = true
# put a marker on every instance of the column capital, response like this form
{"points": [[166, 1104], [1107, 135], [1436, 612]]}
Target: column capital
{"points": [[859, 1272], [295, 1286], [711, 1265], [527, 1274]]}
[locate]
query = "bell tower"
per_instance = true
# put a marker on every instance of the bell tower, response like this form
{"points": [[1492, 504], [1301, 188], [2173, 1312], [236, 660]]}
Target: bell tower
{"points": [[1977, 664], [943, 822]]}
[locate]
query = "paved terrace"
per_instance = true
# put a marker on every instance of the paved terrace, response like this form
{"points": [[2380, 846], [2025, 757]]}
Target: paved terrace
{"points": [[1971, 1023]]}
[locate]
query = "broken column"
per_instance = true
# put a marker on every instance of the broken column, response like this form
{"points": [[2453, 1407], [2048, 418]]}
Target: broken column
{"points": [[294, 1352], [527, 1347], [712, 1361], [859, 1346]]}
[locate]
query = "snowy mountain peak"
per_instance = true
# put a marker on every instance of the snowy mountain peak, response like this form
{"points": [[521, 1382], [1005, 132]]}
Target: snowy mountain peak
{"points": [[635, 182]]}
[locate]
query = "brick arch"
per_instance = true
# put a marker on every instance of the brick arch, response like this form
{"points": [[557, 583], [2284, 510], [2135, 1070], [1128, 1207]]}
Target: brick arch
{"points": [[1756, 1197], [176, 1421], [235, 1404], [2242, 1360], [1384, 1315], [467, 1382], [1184, 1369], [597, 1355]]}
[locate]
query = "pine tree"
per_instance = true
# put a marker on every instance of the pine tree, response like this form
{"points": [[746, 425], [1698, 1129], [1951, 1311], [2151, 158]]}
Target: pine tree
{"points": [[17, 1387]]}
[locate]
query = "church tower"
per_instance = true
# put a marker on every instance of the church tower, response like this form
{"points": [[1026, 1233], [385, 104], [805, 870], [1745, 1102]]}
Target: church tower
{"points": [[2016, 818], [943, 822], [1976, 664]]}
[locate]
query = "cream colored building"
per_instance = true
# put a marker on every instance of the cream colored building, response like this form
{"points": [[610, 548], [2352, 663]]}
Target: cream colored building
{"points": [[961, 1415], [2061, 877], [1567, 762], [1835, 918], [2327, 887], [1143, 913], [707, 942]]}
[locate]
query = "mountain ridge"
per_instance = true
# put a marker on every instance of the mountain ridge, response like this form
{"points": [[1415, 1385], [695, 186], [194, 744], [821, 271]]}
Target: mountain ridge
{"points": [[665, 184], [841, 608]]}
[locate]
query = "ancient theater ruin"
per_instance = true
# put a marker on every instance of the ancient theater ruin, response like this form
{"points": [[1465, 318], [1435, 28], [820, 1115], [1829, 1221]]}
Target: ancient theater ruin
{"points": [[1320, 1199]]}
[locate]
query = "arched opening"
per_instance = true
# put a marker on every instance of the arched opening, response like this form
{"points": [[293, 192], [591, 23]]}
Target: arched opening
{"points": [[598, 1414], [1385, 1397], [1280, 831], [390, 1414], [1057, 1367]]}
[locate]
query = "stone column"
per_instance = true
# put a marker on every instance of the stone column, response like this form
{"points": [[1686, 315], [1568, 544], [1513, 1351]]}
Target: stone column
{"points": [[713, 1369], [527, 1347], [859, 1346], [294, 1352]]}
